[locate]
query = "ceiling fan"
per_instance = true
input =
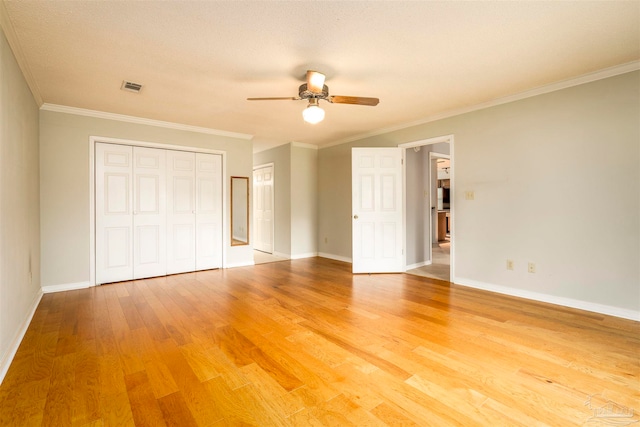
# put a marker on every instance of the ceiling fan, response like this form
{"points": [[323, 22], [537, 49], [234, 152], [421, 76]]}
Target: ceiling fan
{"points": [[315, 90]]}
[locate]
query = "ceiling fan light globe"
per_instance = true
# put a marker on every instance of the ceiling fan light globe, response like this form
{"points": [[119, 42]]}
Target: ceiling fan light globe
{"points": [[313, 114]]}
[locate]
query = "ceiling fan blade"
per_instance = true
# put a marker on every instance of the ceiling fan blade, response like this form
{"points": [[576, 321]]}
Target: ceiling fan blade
{"points": [[356, 100], [315, 81], [287, 98]]}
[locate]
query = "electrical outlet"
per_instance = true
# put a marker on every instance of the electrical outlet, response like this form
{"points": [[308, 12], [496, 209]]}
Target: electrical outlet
{"points": [[531, 268], [509, 264], [469, 195], [326, 240]]}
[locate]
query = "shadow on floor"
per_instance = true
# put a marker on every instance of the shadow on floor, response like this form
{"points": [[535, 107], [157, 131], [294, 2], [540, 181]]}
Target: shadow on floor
{"points": [[260, 257], [440, 267]]}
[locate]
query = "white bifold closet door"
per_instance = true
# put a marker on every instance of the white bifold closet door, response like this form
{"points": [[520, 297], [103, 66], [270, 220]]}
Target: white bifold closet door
{"points": [[114, 212], [158, 212], [181, 212], [149, 213], [208, 211], [194, 214]]}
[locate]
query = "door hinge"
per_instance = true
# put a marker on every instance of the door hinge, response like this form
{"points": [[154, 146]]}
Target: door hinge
{"points": [[402, 161]]}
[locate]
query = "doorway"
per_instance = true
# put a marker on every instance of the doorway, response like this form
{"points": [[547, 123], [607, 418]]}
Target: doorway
{"points": [[429, 209], [263, 213]]}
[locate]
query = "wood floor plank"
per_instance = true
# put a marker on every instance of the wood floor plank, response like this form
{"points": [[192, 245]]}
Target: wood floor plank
{"points": [[176, 412], [191, 390], [145, 408], [355, 385], [391, 417], [57, 410], [279, 400], [230, 373], [160, 379], [242, 406], [86, 388], [340, 411], [200, 361], [307, 343], [502, 386]]}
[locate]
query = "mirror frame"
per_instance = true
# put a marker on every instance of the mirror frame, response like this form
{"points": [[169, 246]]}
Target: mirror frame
{"points": [[246, 180]]}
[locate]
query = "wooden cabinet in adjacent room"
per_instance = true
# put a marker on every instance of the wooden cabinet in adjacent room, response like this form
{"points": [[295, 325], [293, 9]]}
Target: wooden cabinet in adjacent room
{"points": [[442, 226]]}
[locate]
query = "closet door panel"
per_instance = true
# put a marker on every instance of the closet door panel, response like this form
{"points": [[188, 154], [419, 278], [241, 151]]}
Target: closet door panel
{"points": [[149, 215], [208, 211], [114, 227], [181, 208]]}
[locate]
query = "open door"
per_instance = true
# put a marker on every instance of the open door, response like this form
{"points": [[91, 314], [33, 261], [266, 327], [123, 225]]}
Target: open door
{"points": [[263, 220], [377, 210]]}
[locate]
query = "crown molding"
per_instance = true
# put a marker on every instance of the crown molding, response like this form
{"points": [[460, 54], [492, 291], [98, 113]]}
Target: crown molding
{"points": [[552, 87], [14, 44], [142, 121], [303, 145]]}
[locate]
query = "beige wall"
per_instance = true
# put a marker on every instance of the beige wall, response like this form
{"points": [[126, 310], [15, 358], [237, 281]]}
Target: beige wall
{"points": [[304, 201], [64, 186], [19, 206], [556, 182]]}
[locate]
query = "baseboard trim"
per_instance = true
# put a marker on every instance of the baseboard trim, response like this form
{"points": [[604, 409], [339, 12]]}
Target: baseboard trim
{"points": [[551, 299], [240, 264], [65, 287], [417, 265], [335, 257], [281, 255], [7, 358], [307, 255]]}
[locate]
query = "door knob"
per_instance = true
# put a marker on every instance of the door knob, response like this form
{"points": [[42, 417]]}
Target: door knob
{"points": [[355, 217]]}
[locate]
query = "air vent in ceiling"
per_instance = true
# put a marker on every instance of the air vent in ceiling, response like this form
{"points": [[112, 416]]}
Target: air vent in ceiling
{"points": [[131, 87]]}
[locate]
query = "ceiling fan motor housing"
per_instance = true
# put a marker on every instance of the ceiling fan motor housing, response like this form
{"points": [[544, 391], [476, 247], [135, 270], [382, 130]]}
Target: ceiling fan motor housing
{"points": [[305, 93]]}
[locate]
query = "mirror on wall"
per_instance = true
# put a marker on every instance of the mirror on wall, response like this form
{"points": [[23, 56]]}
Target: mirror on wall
{"points": [[239, 210]]}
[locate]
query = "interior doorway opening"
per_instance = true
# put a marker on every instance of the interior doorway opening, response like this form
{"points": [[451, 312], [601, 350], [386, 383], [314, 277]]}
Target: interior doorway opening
{"points": [[264, 214], [429, 208]]}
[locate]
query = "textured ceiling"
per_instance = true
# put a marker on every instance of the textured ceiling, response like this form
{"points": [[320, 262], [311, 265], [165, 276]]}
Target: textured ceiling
{"points": [[199, 61]]}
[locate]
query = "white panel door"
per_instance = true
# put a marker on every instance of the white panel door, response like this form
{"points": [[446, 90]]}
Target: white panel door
{"points": [[208, 211], [114, 201], [181, 212], [149, 212], [377, 211], [263, 209]]}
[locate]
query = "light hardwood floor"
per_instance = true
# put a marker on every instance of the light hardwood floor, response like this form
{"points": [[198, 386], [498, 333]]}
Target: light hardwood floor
{"points": [[306, 343]]}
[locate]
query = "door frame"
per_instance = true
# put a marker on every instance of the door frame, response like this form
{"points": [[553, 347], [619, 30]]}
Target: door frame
{"points": [[431, 141], [93, 140], [273, 203]]}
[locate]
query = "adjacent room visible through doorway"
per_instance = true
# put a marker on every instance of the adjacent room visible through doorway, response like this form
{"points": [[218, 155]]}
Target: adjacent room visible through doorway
{"points": [[429, 207]]}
